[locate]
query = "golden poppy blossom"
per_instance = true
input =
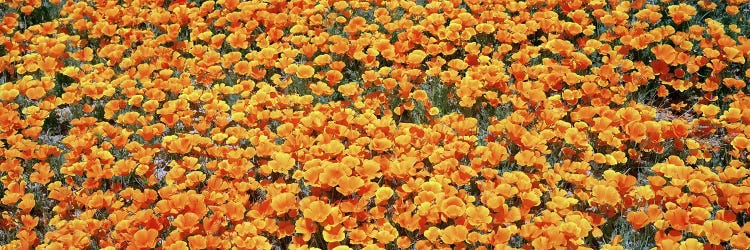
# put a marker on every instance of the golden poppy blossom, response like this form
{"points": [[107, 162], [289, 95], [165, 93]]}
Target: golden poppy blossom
{"points": [[305, 71], [606, 195], [283, 202], [145, 238]]}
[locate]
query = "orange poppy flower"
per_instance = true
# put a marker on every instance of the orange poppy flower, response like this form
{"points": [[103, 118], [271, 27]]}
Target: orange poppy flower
{"points": [[321, 89], [590, 88], [145, 238], [333, 173], [681, 13], [717, 231], [740, 241], [454, 234], [282, 162], [678, 218], [334, 233], [726, 215], [317, 211], [381, 144], [333, 77], [697, 186], [734, 55], [322, 60], [709, 111], [386, 233], [242, 68], [654, 213], [350, 89], [340, 45], [690, 243], [238, 40], [525, 158], [186, 222], [434, 111], [349, 185], [432, 234], [235, 210], [27, 238], [431, 186], [128, 118], [732, 115], [150, 106], [305, 71], [383, 194], [307, 227], [197, 242], [369, 169], [27, 203], [283, 202], [606, 195], [29, 222], [8, 94], [43, 173], [35, 93], [181, 146], [478, 215], [638, 219], [452, 207], [559, 46], [416, 57]]}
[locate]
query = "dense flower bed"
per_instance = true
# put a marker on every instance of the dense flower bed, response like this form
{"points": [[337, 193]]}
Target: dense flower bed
{"points": [[374, 124]]}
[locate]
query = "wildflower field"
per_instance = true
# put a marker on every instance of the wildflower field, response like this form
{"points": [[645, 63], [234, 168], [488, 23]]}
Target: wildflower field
{"points": [[376, 124]]}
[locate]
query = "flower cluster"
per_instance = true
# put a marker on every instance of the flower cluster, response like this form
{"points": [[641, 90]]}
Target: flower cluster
{"points": [[374, 124]]}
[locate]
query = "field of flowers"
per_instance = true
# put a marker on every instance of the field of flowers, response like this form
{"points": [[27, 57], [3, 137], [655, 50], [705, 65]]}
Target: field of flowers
{"points": [[374, 124]]}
